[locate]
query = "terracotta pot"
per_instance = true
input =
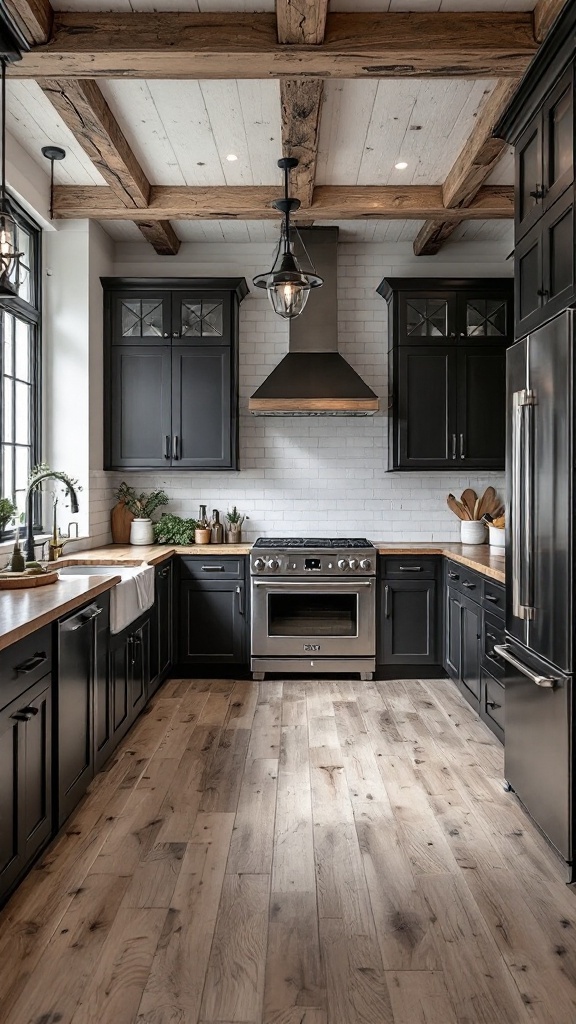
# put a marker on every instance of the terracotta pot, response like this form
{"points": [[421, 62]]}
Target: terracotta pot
{"points": [[202, 536], [120, 520]]}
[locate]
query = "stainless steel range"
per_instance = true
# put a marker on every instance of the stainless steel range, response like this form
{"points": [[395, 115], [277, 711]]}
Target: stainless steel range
{"points": [[313, 605]]}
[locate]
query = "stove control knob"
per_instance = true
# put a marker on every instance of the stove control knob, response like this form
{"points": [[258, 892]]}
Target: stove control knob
{"points": [[353, 563], [365, 563], [259, 564], [273, 564], [342, 563]]}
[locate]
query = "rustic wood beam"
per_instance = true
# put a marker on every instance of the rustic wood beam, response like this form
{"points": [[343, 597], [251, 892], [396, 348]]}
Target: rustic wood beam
{"points": [[331, 202], [471, 170], [301, 22], [83, 108], [33, 17], [545, 14], [161, 235], [191, 45]]}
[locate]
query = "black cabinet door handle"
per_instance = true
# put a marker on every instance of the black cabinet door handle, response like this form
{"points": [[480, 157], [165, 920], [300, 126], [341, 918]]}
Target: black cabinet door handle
{"points": [[387, 601], [25, 714], [167, 454], [409, 568], [490, 597], [240, 600], [470, 586], [34, 662], [213, 568], [454, 446], [164, 572], [538, 193], [462, 452], [492, 704], [175, 454]]}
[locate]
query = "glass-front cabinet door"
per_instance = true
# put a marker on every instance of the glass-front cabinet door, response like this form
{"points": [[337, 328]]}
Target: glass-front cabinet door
{"points": [[201, 319], [427, 317], [485, 318], [141, 318]]}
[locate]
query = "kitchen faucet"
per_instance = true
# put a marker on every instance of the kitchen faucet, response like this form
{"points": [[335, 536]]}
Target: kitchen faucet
{"points": [[49, 474]]}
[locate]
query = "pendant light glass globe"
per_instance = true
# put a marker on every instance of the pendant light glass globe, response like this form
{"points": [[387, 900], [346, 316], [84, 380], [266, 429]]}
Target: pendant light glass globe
{"points": [[9, 257], [288, 286]]}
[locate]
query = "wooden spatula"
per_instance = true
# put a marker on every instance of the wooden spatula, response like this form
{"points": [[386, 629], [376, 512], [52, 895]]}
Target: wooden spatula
{"points": [[457, 507], [487, 501], [468, 499]]}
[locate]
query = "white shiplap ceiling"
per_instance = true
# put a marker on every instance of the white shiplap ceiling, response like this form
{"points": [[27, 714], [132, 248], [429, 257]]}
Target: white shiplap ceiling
{"points": [[182, 131]]}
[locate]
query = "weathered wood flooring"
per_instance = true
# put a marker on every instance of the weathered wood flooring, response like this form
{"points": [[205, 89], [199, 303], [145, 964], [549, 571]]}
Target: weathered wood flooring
{"points": [[299, 853]]}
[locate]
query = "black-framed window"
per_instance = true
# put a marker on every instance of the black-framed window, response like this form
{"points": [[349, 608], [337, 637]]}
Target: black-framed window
{"points": [[20, 369]]}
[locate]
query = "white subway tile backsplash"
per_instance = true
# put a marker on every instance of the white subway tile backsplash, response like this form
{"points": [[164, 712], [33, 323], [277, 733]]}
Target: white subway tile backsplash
{"points": [[316, 475]]}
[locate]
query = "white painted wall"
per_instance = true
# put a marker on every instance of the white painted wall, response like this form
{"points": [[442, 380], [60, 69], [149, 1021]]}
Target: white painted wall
{"points": [[317, 475]]}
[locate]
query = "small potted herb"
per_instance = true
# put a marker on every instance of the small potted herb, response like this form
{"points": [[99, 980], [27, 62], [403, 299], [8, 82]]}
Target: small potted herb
{"points": [[234, 520], [8, 511], [142, 507]]}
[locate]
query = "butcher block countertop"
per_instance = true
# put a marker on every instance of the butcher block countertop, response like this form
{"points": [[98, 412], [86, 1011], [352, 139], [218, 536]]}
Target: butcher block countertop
{"points": [[153, 554], [24, 611], [480, 557]]}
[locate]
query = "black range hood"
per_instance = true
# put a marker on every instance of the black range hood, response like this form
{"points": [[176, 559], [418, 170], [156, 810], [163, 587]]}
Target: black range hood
{"points": [[314, 379]]}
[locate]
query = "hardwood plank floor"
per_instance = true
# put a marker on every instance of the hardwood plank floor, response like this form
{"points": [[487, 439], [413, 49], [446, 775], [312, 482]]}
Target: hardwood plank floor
{"points": [[306, 852]]}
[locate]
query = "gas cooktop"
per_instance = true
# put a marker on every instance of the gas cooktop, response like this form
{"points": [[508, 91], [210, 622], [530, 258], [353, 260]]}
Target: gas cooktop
{"points": [[329, 543]]}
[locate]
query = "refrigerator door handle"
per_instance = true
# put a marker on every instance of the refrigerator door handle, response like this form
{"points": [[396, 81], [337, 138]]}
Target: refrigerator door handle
{"points": [[522, 503], [503, 650]]}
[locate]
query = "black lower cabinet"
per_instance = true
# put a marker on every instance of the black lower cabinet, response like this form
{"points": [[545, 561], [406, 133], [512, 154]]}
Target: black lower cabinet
{"points": [[493, 703], [409, 622], [129, 676], [470, 650], [25, 781], [162, 626], [212, 622]]}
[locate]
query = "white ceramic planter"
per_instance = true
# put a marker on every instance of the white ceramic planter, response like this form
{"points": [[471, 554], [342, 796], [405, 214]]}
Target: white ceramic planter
{"points": [[496, 536], [472, 532], [141, 531]]}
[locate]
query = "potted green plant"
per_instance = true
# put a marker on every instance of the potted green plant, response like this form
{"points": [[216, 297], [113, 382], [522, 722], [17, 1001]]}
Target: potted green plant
{"points": [[8, 511], [142, 507], [234, 520]]}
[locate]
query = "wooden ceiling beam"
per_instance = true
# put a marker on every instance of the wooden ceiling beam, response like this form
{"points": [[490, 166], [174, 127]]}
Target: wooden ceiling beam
{"points": [[247, 202], [182, 45], [471, 170], [84, 110], [33, 17], [301, 22], [545, 14]]}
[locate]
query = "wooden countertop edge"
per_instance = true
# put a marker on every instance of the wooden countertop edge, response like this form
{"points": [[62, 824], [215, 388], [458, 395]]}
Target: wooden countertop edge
{"points": [[100, 585]]}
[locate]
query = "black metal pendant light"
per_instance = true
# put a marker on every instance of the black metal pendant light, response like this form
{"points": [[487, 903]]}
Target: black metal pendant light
{"points": [[9, 257], [288, 286]]}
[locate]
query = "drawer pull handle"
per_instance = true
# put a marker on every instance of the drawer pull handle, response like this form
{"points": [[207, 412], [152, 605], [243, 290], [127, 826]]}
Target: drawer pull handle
{"points": [[492, 637], [164, 573], [410, 568], [453, 576], [213, 568], [492, 704], [240, 600], [490, 597], [470, 586], [25, 714], [34, 662]]}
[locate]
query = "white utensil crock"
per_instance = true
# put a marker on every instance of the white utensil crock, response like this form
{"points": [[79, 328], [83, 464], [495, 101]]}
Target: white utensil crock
{"points": [[472, 532], [496, 536], [141, 531]]}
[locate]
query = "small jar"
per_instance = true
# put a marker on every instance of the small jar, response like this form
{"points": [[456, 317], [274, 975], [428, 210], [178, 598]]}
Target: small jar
{"points": [[202, 536], [472, 532], [141, 531]]}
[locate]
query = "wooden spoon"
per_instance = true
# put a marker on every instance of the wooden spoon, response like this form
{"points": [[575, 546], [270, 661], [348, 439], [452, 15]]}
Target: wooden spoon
{"points": [[487, 501], [468, 499], [457, 507]]}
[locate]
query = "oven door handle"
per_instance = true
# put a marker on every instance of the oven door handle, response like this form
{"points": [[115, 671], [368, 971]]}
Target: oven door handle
{"points": [[313, 584]]}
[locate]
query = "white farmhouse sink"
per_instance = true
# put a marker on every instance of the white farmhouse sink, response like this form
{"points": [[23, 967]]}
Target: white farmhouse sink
{"points": [[132, 596]]}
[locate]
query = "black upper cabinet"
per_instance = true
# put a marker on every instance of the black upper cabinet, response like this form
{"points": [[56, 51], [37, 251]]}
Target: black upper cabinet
{"points": [[171, 373], [540, 124], [447, 371]]}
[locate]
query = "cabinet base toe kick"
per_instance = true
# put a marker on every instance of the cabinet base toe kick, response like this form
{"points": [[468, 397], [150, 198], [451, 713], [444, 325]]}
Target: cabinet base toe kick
{"points": [[313, 666]]}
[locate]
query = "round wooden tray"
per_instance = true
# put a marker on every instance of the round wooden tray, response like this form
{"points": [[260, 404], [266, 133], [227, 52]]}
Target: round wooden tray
{"points": [[19, 580]]}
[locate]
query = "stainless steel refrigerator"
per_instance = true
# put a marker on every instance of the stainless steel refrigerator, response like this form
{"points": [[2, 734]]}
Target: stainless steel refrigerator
{"points": [[539, 578]]}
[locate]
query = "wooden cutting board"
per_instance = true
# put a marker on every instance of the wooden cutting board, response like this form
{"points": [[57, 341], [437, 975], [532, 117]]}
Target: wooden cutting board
{"points": [[19, 581], [120, 519]]}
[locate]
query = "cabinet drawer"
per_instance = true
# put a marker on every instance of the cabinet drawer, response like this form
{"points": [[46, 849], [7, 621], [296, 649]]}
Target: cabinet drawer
{"points": [[494, 595], [465, 580], [202, 567], [24, 663], [493, 634], [493, 702], [408, 567]]}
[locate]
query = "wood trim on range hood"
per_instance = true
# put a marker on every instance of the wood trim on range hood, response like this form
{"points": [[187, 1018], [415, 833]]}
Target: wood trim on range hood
{"points": [[314, 379]]}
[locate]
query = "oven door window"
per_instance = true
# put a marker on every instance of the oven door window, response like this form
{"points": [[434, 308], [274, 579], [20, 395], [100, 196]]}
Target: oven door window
{"points": [[307, 615]]}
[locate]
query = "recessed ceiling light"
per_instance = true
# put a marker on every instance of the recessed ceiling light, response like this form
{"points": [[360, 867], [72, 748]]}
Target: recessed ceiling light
{"points": [[401, 165], [231, 157]]}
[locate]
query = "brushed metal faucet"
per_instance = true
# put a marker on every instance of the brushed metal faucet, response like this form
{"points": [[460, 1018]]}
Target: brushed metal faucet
{"points": [[51, 474]]}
